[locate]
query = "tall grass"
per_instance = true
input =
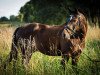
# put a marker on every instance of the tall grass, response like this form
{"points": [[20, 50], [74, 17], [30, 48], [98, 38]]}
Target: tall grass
{"points": [[41, 64]]}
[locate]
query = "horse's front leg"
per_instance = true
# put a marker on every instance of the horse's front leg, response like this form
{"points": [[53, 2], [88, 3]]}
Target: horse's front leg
{"points": [[64, 60], [75, 59]]}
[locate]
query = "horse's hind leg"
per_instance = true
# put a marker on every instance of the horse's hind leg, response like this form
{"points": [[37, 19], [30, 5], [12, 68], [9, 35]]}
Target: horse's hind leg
{"points": [[26, 55], [12, 55], [26, 58], [14, 52]]}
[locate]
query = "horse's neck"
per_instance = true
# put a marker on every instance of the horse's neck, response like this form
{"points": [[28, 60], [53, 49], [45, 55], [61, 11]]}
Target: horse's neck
{"points": [[64, 25]]}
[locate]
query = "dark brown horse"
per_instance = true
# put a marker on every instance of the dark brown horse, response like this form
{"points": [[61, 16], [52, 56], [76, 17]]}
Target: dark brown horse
{"points": [[67, 40]]}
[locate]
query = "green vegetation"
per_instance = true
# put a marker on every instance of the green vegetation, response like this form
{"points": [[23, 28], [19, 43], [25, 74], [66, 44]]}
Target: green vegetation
{"points": [[56, 11], [3, 19], [52, 12], [45, 65], [40, 64]]}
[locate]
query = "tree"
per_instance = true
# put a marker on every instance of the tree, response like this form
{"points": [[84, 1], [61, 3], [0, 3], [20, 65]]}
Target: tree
{"points": [[90, 8], [4, 19], [51, 11], [13, 18], [56, 11], [20, 17]]}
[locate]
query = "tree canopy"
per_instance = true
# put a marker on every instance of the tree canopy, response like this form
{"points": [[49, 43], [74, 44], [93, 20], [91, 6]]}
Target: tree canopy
{"points": [[2, 19], [56, 11], [13, 18]]}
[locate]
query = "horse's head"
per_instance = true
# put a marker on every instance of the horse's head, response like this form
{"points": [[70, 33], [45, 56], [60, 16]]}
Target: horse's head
{"points": [[77, 24]]}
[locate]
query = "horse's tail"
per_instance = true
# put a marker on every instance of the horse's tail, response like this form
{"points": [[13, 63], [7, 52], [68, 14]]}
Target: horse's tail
{"points": [[13, 53]]}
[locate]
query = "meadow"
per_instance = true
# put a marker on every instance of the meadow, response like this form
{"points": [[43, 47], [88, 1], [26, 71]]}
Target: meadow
{"points": [[40, 64]]}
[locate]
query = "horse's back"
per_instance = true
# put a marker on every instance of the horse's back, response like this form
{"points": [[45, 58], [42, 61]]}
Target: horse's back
{"points": [[48, 39]]}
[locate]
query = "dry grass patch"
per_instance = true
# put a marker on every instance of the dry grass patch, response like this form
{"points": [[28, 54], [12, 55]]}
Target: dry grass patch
{"points": [[93, 33]]}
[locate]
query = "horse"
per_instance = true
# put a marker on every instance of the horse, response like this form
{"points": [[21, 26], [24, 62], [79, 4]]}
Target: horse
{"points": [[67, 40]]}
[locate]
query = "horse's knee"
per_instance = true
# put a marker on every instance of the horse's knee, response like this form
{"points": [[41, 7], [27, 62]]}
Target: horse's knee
{"points": [[75, 61], [64, 61], [75, 57], [65, 58]]}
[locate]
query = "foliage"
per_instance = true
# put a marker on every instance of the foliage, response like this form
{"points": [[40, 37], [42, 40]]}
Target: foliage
{"points": [[56, 11], [41, 64], [51, 11], [5, 20], [90, 8], [13, 18], [2, 19]]}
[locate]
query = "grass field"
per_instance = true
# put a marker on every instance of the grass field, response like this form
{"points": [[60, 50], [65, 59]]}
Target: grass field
{"points": [[41, 64]]}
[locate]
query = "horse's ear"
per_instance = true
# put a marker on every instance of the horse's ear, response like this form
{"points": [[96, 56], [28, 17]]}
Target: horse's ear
{"points": [[69, 10], [77, 11], [73, 11]]}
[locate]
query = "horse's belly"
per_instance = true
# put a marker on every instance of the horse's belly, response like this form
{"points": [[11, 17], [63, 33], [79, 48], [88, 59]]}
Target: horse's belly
{"points": [[48, 49], [50, 52], [48, 43]]}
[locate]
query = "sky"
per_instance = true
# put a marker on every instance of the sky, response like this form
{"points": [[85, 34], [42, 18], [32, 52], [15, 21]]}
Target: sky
{"points": [[11, 7]]}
